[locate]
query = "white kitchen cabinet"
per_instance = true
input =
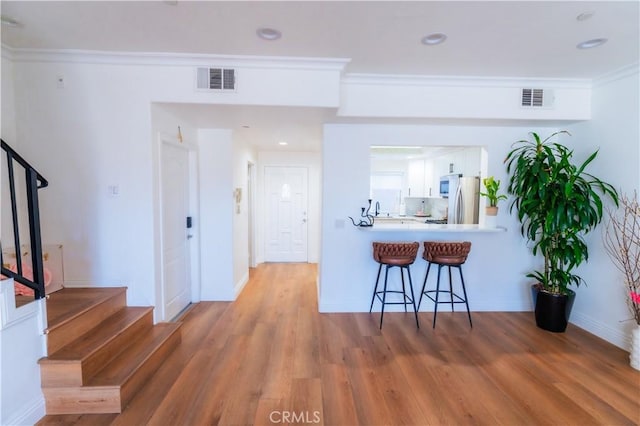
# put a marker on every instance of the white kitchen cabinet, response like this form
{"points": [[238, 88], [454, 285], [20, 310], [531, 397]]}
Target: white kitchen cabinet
{"points": [[415, 174], [430, 190], [470, 165]]}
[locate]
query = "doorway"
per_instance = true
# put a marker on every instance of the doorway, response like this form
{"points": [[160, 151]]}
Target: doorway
{"points": [[286, 206]]}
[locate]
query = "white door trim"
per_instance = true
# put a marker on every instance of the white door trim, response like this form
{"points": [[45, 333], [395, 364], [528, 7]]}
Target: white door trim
{"points": [[251, 204]]}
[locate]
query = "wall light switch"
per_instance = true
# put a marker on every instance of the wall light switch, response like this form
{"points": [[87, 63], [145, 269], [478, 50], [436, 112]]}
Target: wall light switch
{"points": [[113, 190]]}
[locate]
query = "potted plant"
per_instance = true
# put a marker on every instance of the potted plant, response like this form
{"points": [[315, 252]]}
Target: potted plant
{"points": [[622, 242], [492, 186], [557, 203]]}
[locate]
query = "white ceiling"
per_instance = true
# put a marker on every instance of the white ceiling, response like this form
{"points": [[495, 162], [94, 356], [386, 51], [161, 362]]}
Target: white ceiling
{"points": [[534, 39]]}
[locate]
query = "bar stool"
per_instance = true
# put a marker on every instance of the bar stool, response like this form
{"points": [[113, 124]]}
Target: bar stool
{"points": [[401, 255], [449, 254]]}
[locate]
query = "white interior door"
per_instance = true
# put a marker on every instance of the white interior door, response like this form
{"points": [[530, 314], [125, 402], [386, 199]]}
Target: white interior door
{"points": [[286, 195], [176, 265]]}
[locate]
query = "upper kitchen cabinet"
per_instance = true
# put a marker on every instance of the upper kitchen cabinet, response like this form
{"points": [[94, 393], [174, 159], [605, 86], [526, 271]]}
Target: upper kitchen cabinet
{"points": [[414, 171], [420, 173], [460, 160], [469, 161]]}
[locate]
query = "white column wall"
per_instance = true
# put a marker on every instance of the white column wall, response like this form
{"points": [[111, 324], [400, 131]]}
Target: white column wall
{"points": [[216, 213], [615, 130]]}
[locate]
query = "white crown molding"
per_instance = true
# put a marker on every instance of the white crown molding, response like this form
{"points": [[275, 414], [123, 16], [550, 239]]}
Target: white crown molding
{"points": [[7, 52], [618, 74], [462, 81], [174, 59]]}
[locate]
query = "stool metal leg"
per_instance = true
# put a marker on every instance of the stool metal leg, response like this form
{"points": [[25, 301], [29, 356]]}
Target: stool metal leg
{"points": [[424, 284], [375, 289], [451, 288], [464, 291], [435, 307], [384, 293], [404, 291], [413, 298]]}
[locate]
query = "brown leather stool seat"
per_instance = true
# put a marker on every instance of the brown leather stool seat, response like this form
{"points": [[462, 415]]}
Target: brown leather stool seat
{"points": [[449, 254], [391, 255]]}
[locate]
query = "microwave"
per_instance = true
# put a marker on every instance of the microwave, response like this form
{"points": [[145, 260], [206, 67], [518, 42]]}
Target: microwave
{"points": [[444, 187], [448, 184]]}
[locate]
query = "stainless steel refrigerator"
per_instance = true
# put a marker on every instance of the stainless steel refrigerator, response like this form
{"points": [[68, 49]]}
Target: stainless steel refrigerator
{"points": [[464, 199]]}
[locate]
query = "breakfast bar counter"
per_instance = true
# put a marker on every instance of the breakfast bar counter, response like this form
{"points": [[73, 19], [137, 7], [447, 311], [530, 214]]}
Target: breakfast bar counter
{"points": [[428, 227], [415, 224]]}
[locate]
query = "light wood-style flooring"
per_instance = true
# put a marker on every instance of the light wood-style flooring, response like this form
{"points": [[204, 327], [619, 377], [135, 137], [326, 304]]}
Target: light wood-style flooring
{"points": [[271, 358]]}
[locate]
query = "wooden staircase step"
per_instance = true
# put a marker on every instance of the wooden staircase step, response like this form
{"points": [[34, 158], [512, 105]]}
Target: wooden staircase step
{"points": [[78, 361], [72, 312], [111, 388]]}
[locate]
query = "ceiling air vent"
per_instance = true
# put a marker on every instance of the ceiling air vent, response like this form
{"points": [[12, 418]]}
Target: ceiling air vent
{"points": [[536, 98], [216, 79]]}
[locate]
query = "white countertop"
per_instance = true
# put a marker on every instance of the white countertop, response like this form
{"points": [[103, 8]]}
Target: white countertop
{"points": [[429, 227]]}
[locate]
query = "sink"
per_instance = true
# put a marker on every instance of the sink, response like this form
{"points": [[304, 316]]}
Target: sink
{"points": [[392, 219]]}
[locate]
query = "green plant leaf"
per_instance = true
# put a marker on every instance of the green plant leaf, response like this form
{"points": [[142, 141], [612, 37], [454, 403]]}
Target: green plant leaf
{"points": [[556, 202]]}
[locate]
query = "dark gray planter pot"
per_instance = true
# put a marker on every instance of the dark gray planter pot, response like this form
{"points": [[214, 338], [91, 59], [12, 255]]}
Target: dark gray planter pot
{"points": [[552, 311]]}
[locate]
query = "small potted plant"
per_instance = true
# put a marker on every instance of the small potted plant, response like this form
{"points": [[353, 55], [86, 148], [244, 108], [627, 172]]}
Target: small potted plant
{"points": [[492, 186]]}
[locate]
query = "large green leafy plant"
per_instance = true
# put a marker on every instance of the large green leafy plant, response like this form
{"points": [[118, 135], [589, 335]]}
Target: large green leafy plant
{"points": [[557, 203]]}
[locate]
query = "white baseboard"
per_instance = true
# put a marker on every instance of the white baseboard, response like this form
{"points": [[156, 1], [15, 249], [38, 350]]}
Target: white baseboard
{"points": [[28, 414], [427, 306], [239, 286], [604, 331]]}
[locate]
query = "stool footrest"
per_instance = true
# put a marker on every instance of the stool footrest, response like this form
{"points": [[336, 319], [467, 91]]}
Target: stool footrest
{"points": [[407, 300], [458, 299]]}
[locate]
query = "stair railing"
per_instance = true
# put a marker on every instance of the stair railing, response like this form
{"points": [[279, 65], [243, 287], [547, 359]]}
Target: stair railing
{"points": [[34, 181]]}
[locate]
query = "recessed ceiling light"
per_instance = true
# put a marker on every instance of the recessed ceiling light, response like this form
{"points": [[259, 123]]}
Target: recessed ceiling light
{"points": [[585, 15], [10, 22], [268, 34], [435, 38], [591, 43], [282, 143]]}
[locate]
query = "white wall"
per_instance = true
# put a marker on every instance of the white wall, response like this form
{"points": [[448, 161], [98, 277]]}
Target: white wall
{"points": [[216, 212], [495, 271], [22, 341], [614, 130], [468, 97], [97, 131], [310, 160]]}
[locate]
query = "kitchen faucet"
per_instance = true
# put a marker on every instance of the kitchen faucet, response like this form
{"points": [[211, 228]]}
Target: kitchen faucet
{"points": [[377, 208]]}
